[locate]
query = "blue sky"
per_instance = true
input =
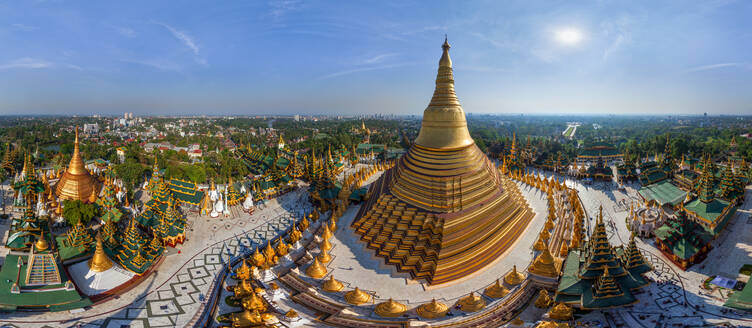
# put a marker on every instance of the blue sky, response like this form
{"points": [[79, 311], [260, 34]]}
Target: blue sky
{"points": [[352, 57]]}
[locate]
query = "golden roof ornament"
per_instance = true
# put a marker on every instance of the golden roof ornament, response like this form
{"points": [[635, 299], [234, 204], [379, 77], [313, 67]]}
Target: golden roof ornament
{"points": [[390, 309], [244, 271], [316, 269], [514, 277], [253, 302], [545, 235], [561, 312], [92, 197], [258, 259], [332, 285], [496, 290], [432, 310], [357, 297], [294, 235], [282, 248], [471, 303], [543, 300], [269, 253], [99, 262], [76, 183], [539, 244], [564, 250], [243, 288], [326, 234]]}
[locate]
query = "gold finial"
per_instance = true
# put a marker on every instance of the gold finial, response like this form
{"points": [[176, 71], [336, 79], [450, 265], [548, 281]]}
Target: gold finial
{"points": [[316, 269], [332, 285], [324, 256], [357, 297], [432, 310], [99, 262], [326, 234], [325, 245], [390, 309]]}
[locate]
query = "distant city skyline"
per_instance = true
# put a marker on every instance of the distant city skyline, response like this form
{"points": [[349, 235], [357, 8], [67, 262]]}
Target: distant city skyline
{"points": [[291, 57]]}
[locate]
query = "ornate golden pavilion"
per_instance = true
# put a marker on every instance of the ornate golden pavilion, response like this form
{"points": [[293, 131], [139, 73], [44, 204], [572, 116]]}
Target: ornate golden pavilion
{"points": [[443, 211], [76, 183]]}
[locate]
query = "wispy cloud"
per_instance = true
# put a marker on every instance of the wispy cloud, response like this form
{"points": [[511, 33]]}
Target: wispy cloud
{"points": [[23, 27], [126, 32], [159, 64], [187, 40], [716, 66], [26, 62], [358, 70], [281, 7], [618, 32], [377, 59]]}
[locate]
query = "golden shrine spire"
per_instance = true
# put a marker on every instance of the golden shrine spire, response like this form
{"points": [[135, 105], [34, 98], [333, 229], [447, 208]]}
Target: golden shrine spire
{"points": [[76, 183], [444, 125]]}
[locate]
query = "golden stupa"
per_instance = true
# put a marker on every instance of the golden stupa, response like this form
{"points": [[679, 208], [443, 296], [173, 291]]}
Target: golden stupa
{"points": [[390, 309], [41, 245], [332, 285], [561, 312], [543, 300], [316, 269], [76, 183], [496, 290], [99, 262], [357, 297], [432, 310], [444, 193], [471, 303], [514, 277], [544, 265], [324, 256]]}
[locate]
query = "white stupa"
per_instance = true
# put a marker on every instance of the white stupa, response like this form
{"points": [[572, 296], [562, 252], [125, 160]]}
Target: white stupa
{"points": [[248, 202]]}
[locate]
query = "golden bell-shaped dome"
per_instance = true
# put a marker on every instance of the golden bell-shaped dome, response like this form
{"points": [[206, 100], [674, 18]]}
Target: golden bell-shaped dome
{"points": [[390, 309], [326, 234], [543, 300], [432, 310], [514, 277], [332, 285], [76, 183], [496, 290], [549, 224], [324, 256], [303, 225], [471, 303], [316, 269], [295, 235], [561, 312], [517, 323], [99, 262], [544, 265], [564, 250], [357, 297], [325, 245], [41, 244], [545, 235], [269, 252]]}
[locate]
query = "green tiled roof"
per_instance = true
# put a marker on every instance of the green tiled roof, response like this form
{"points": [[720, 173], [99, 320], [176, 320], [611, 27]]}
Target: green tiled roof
{"points": [[683, 236], [710, 212], [741, 299], [663, 192], [62, 299]]}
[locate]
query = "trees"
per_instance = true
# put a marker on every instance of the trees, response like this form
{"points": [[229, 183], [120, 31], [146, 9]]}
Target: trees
{"points": [[75, 211]]}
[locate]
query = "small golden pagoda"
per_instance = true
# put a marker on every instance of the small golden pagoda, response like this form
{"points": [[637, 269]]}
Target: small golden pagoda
{"points": [[316, 269], [282, 248], [325, 245], [254, 303], [99, 262], [514, 277], [76, 183], [41, 245], [244, 271], [564, 250], [471, 303], [496, 290], [560, 312], [357, 297], [247, 318], [294, 235], [517, 323], [544, 265], [432, 310], [242, 289], [332, 285], [324, 256], [326, 234], [258, 259], [333, 225], [539, 244], [390, 309], [543, 300]]}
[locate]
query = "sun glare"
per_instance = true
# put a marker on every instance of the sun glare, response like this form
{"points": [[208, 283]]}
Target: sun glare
{"points": [[568, 36]]}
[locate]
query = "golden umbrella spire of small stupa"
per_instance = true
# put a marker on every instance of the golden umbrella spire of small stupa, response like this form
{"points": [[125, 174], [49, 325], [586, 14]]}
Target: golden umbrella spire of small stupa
{"points": [[496, 290], [357, 297], [332, 285], [325, 245], [390, 309], [324, 256], [326, 234], [316, 269], [41, 244], [99, 262], [431, 310]]}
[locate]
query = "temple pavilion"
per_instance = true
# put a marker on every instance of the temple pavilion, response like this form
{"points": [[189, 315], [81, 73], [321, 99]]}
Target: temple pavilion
{"points": [[599, 276], [442, 211], [683, 240]]}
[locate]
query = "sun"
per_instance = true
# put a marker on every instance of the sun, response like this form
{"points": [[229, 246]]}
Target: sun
{"points": [[568, 36]]}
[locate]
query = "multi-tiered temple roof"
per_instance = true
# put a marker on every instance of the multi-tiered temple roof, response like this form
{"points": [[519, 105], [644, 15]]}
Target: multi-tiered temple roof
{"points": [[443, 211]]}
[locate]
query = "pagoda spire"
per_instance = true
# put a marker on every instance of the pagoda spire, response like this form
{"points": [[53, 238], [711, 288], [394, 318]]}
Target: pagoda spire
{"points": [[706, 183], [444, 125]]}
